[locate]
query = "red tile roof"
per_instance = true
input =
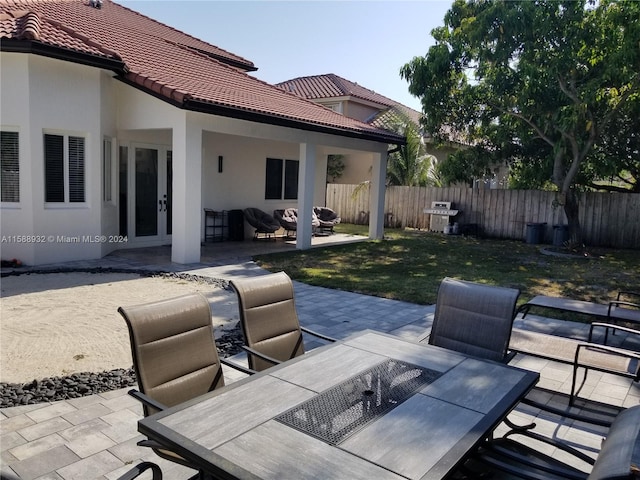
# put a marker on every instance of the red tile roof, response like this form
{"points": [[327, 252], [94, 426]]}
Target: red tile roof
{"points": [[330, 85], [166, 62], [327, 86]]}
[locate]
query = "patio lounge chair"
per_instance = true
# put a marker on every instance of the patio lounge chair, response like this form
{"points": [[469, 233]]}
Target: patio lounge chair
{"points": [[269, 320], [263, 223], [588, 355], [174, 356], [327, 219], [474, 319]]}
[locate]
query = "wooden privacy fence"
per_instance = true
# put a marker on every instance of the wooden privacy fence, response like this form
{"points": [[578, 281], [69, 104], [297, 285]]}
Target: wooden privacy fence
{"points": [[607, 219]]}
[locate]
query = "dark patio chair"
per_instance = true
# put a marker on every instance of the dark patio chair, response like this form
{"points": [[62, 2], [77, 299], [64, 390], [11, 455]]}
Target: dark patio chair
{"points": [[174, 356], [288, 220], [474, 319], [327, 219], [263, 223], [617, 459], [269, 320]]}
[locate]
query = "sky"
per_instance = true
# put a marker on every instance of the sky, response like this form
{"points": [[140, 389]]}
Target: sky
{"points": [[365, 41]]}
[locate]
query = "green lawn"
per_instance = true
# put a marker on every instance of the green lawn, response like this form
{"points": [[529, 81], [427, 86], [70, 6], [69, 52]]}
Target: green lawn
{"points": [[409, 265]]}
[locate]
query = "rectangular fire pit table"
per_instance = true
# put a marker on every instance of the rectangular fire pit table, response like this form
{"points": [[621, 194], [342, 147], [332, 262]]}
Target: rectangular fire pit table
{"points": [[371, 406]]}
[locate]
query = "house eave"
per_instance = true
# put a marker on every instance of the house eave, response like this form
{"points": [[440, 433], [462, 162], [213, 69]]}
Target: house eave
{"points": [[241, 114], [38, 48], [187, 103]]}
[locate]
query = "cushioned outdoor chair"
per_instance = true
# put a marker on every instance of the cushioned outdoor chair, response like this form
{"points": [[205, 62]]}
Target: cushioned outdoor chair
{"points": [[174, 356], [288, 220], [327, 218], [269, 320], [474, 319], [263, 223]]}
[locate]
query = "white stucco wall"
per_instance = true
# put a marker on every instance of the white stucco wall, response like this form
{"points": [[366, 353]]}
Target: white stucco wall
{"points": [[46, 95], [42, 95], [359, 111], [241, 183]]}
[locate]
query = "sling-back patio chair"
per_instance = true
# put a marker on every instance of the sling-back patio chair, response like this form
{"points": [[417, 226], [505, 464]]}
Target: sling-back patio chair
{"points": [[269, 320], [474, 319], [616, 460], [174, 356]]}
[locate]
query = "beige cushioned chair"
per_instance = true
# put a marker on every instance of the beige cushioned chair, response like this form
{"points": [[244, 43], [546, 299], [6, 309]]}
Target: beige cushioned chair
{"points": [[474, 319], [174, 355], [269, 320]]}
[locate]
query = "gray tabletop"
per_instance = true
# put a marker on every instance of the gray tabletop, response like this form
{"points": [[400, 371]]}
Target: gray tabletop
{"points": [[235, 433]]}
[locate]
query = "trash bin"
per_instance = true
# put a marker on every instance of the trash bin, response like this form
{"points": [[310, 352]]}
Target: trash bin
{"points": [[236, 225], [535, 232], [560, 234]]}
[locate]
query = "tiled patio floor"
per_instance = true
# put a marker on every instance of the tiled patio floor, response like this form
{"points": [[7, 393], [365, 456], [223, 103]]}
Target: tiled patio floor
{"points": [[95, 437]]}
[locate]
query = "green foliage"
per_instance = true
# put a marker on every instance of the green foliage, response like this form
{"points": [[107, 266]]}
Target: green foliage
{"points": [[410, 165], [549, 86], [335, 167]]}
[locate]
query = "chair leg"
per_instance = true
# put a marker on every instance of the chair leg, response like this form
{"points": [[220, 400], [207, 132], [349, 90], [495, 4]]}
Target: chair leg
{"points": [[572, 397], [141, 467]]}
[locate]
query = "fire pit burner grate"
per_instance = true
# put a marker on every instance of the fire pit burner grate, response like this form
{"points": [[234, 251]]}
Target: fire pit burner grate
{"points": [[335, 414]]}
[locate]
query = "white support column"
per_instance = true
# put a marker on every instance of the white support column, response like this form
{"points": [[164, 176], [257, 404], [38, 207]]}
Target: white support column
{"points": [[378, 187], [187, 192], [305, 195]]}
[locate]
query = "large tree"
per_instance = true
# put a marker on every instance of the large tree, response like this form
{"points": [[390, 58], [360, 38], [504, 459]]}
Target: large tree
{"points": [[543, 85]]}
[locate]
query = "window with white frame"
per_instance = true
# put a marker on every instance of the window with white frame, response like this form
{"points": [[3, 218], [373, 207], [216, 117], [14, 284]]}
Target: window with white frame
{"points": [[107, 170], [336, 107], [64, 166], [281, 179], [9, 166]]}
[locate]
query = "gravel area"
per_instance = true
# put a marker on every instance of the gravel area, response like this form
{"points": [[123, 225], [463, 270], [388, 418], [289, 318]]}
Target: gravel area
{"points": [[72, 345], [90, 383]]}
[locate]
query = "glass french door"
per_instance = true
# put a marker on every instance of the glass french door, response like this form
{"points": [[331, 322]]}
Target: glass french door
{"points": [[151, 198]]}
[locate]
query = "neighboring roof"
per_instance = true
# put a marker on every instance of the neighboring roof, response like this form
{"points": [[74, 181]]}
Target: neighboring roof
{"points": [[330, 85], [164, 62]]}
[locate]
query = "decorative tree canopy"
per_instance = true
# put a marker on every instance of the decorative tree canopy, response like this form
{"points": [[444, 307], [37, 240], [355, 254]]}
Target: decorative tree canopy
{"points": [[552, 87]]}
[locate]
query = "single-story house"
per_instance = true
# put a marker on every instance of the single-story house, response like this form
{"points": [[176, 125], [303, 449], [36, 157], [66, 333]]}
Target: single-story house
{"points": [[117, 131], [360, 103]]}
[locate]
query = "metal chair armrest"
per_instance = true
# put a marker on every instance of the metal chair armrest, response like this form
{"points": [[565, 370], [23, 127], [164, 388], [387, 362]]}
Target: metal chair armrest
{"points": [[242, 369], [627, 293], [319, 335], [612, 326], [148, 401], [140, 468], [261, 355], [566, 413], [617, 303]]}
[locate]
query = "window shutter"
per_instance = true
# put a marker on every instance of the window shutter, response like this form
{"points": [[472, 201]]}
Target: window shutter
{"points": [[106, 170], [76, 169], [273, 182], [9, 167], [291, 179], [54, 168]]}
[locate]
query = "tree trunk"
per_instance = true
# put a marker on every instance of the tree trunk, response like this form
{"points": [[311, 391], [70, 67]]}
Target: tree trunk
{"points": [[571, 210]]}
